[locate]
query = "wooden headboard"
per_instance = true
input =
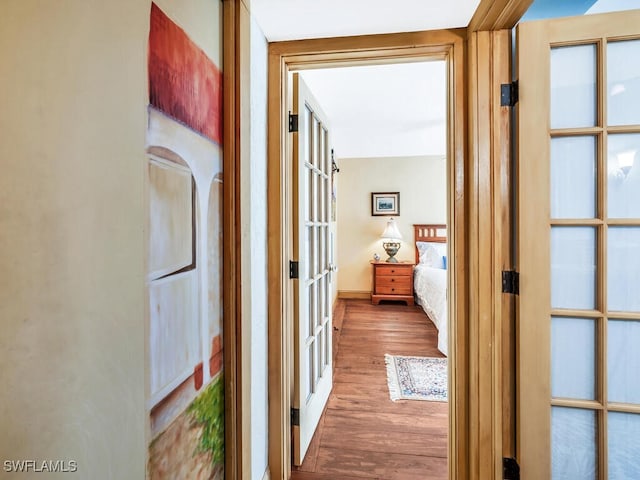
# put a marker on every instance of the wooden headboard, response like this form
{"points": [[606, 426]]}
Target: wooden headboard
{"points": [[428, 233]]}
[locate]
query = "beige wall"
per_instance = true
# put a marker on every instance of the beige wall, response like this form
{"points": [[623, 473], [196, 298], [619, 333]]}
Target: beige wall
{"points": [[72, 153], [73, 218], [421, 182]]}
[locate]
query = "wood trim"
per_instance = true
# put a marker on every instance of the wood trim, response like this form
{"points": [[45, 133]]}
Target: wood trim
{"points": [[373, 48], [460, 464], [504, 305], [284, 56], [491, 315], [498, 14], [279, 381], [354, 294], [533, 416], [233, 380]]}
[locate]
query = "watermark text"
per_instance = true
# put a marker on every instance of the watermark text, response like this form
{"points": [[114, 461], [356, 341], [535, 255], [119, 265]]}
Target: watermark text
{"points": [[39, 466]]}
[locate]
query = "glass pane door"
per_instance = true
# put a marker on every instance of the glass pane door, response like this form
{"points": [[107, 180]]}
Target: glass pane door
{"points": [[312, 325], [579, 195]]}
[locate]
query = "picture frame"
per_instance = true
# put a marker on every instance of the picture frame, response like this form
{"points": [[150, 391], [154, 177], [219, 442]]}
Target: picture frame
{"points": [[385, 204]]}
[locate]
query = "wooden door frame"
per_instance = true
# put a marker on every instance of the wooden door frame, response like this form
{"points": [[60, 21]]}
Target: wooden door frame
{"points": [[483, 112], [491, 313], [371, 49], [236, 386]]}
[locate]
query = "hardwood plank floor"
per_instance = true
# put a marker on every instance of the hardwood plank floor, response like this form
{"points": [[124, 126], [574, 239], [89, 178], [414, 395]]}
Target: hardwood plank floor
{"points": [[363, 434]]}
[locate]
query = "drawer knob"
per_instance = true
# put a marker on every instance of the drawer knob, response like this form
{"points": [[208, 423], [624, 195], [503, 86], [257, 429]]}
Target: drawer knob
{"points": [[393, 289]]}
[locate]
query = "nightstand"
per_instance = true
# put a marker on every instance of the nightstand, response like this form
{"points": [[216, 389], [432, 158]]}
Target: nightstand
{"points": [[392, 281]]}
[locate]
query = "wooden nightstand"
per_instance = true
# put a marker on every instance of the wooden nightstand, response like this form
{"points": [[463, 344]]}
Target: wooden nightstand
{"points": [[392, 281]]}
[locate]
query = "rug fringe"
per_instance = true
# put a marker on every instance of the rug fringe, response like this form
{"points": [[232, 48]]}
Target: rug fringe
{"points": [[392, 377]]}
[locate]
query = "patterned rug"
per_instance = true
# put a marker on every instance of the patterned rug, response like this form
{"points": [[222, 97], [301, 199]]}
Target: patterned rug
{"points": [[416, 378]]}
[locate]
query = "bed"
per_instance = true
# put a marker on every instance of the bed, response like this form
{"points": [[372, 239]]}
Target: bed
{"points": [[430, 276]]}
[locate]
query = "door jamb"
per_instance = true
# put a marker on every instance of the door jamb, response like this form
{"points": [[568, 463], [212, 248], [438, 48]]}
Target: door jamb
{"points": [[370, 49], [235, 386]]}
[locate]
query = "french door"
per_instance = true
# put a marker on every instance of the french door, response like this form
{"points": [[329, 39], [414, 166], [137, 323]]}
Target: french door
{"points": [[579, 247], [313, 366]]}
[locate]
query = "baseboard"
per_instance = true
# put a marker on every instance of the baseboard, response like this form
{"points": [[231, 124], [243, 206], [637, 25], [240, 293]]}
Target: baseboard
{"points": [[266, 475], [355, 294]]}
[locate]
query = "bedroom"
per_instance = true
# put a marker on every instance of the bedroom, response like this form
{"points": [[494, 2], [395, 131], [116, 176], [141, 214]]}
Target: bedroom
{"points": [[398, 146]]}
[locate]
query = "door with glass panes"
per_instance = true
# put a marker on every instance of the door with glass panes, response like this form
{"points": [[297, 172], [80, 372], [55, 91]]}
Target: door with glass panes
{"points": [[313, 366], [579, 247]]}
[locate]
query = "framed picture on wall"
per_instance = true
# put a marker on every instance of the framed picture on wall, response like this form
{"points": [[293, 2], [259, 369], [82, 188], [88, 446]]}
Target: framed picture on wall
{"points": [[385, 203]]}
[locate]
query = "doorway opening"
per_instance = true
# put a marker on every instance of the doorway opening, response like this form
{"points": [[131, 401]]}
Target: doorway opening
{"points": [[285, 58], [387, 189]]}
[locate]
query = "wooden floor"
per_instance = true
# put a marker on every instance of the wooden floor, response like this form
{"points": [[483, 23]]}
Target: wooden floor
{"points": [[362, 433]]}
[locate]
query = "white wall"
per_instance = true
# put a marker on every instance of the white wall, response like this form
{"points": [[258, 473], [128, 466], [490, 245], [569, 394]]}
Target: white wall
{"points": [[72, 241], [422, 184], [254, 231]]}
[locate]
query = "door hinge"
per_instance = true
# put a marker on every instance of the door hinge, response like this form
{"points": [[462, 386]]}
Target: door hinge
{"points": [[293, 122], [509, 94], [293, 269], [510, 469], [295, 416], [510, 282]]}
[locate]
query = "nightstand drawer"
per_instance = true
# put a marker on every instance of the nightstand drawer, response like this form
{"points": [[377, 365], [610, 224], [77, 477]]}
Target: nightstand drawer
{"points": [[388, 270], [394, 285], [392, 281]]}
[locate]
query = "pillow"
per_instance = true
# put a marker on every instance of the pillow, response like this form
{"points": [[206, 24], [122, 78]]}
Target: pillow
{"points": [[422, 247], [432, 254], [430, 257]]}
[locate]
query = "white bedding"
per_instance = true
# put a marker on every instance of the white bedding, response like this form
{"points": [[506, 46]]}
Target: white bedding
{"points": [[430, 285]]}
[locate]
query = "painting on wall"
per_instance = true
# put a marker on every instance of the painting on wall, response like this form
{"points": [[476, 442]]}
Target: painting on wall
{"points": [[183, 82], [184, 165], [385, 203]]}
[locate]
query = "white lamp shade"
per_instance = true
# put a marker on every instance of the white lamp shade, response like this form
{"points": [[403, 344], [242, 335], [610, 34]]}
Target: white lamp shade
{"points": [[391, 232]]}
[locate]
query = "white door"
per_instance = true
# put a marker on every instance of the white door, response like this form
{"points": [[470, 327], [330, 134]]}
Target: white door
{"points": [[311, 212], [579, 247]]}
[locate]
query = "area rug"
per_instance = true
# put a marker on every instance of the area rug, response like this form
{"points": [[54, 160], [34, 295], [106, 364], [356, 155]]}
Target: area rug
{"points": [[416, 378]]}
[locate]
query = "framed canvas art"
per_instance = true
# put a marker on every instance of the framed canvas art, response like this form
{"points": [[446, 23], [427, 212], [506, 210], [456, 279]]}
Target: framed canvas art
{"points": [[385, 203]]}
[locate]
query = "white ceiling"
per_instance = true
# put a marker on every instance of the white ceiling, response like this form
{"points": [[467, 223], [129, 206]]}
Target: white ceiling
{"points": [[383, 110], [298, 19], [375, 111]]}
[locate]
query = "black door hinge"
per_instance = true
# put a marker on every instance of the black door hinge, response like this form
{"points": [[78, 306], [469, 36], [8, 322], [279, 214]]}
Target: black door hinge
{"points": [[293, 122], [295, 416], [293, 269], [510, 282], [510, 469], [509, 94]]}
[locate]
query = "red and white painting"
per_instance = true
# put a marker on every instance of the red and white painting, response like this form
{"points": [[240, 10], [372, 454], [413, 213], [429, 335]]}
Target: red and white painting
{"points": [[184, 263], [183, 82]]}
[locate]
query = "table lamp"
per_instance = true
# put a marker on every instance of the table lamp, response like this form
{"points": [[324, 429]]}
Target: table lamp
{"points": [[391, 240]]}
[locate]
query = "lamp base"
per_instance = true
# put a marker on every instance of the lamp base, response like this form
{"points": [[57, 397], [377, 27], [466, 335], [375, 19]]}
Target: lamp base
{"points": [[391, 248]]}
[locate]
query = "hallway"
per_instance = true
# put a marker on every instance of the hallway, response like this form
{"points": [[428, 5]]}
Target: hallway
{"points": [[362, 433]]}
